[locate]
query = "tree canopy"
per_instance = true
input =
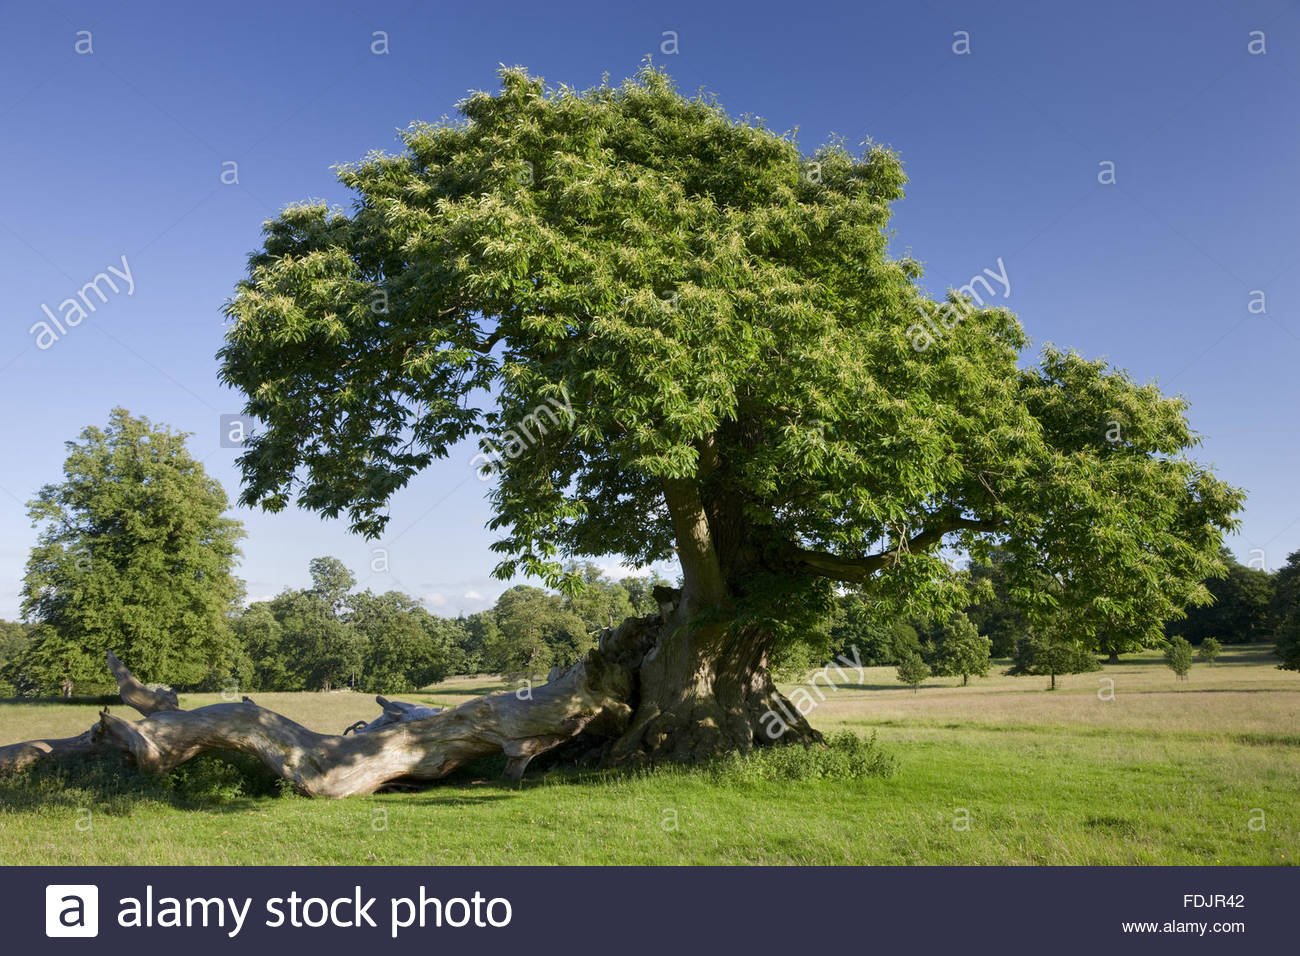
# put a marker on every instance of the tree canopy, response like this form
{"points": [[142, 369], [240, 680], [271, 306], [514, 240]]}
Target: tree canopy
{"points": [[676, 333], [135, 555]]}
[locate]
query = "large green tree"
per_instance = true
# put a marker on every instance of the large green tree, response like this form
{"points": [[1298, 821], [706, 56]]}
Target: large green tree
{"points": [[677, 335], [135, 555]]}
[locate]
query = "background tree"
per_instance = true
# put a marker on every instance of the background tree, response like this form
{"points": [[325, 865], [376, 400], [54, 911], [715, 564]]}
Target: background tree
{"points": [[1242, 608], [260, 635], [675, 335], [1178, 655], [1209, 650], [1288, 644], [876, 632], [913, 670], [483, 645], [600, 602], [961, 650], [14, 639], [640, 592], [994, 612], [406, 647], [1286, 612], [135, 555], [538, 631], [1048, 650], [331, 581]]}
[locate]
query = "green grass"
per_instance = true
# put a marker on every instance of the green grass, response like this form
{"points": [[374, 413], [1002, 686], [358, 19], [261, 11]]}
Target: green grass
{"points": [[1196, 772]]}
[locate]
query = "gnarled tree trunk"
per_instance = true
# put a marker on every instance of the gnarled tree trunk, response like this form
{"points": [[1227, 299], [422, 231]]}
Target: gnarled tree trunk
{"points": [[654, 688]]}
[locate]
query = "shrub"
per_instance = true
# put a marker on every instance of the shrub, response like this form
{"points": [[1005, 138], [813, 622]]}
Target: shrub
{"points": [[845, 756], [1209, 650]]}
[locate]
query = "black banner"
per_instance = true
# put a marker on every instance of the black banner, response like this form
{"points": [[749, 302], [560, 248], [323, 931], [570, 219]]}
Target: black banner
{"points": [[650, 910]]}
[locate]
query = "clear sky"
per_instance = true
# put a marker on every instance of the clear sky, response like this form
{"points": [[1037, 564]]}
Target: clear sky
{"points": [[119, 152]]}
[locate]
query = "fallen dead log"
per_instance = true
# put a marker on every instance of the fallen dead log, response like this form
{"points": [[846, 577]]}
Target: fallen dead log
{"points": [[403, 745]]}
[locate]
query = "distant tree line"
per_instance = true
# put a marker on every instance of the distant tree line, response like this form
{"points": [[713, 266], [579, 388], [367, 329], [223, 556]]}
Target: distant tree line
{"points": [[329, 636]]}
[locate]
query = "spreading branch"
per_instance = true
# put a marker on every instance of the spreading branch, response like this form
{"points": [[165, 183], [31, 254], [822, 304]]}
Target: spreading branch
{"points": [[860, 569]]}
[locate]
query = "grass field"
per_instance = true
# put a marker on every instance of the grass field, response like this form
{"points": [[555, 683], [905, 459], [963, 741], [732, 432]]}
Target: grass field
{"points": [[1205, 771]]}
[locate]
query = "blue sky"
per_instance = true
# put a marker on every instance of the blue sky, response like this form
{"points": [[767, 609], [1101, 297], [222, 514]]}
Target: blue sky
{"points": [[119, 152]]}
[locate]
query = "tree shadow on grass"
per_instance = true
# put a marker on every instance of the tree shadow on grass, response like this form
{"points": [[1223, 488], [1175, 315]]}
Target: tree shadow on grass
{"points": [[109, 784]]}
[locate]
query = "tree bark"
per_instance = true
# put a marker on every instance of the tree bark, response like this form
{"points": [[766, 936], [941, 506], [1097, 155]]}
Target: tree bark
{"points": [[407, 746]]}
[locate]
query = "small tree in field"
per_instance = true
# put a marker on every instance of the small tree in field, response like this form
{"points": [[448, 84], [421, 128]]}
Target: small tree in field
{"points": [[962, 650], [1178, 655], [1048, 653], [1209, 650], [913, 671]]}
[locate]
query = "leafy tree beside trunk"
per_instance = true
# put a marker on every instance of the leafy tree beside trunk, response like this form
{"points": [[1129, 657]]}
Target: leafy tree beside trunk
{"points": [[677, 336]]}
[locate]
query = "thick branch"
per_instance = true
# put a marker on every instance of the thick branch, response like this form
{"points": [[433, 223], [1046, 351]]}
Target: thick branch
{"points": [[861, 569], [703, 583], [146, 700]]}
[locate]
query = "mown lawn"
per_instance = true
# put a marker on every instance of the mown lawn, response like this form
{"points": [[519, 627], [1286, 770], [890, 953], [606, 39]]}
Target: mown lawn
{"points": [[1202, 771]]}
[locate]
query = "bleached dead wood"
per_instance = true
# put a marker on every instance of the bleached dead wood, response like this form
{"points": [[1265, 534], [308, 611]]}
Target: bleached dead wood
{"points": [[401, 746]]}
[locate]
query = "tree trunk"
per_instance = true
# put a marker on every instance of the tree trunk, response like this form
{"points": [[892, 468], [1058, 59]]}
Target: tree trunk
{"points": [[704, 690], [655, 688], [1113, 658]]}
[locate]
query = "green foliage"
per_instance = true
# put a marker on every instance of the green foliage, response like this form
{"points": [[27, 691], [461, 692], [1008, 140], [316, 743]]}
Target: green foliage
{"points": [[14, 640], [319, 649], [1286, 589], [995, 612], [870, 627], [913, 670], [134, 555], [600, 603], [1243, 608], [640, 593], [961, 651], [406, 647], [331, 581], [622, 288], [1288, 644], [1051, 649], [1178, 655], [1209, 650], [537, 632]]}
